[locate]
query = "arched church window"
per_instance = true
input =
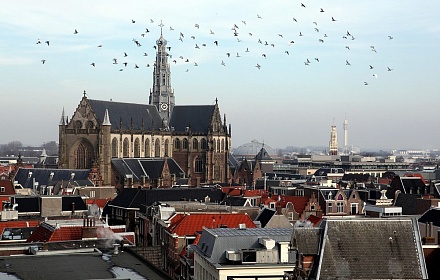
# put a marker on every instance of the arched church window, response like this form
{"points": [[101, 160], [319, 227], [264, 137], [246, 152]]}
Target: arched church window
{"points": [[195, 144], [167, 144], [214, 145], [147, 148], [177, 144], [223, 145], [126, 148], [84, 155], [137, 148], [203, 144], [157, 148], [78, 124], [115, 147], [198, 165], [218, 145], [90, 125], [185, 144]]}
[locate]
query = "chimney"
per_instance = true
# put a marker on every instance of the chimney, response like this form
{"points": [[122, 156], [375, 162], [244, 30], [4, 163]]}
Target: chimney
{"points": [[89, 228]]}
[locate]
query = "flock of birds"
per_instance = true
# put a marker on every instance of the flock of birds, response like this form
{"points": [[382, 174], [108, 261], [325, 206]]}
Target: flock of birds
{"points": [[240, 31]]}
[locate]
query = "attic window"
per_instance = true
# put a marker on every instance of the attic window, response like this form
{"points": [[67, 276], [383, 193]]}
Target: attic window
{"points": [[2, 189]]}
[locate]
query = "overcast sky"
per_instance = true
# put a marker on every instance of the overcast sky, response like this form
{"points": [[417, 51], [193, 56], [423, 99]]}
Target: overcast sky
{"points": [[292, 99]]}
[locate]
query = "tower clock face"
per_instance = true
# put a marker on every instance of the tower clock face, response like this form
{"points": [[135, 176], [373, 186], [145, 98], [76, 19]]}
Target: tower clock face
{"points": [[164, 106]]}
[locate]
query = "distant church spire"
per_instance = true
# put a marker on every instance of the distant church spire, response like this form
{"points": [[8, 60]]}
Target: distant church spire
{"points": [[63, 118], [333, 141], [162, 95]]}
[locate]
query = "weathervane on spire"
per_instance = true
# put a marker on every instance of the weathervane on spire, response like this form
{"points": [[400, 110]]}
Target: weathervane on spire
{"points": [[161, 25]]}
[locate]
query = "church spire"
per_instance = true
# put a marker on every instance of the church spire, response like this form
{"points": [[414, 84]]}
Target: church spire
{"points": [[106, 118], [63, 118], [162, 95]]}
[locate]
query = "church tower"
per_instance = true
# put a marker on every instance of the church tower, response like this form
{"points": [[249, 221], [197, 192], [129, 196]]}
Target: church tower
{"points": [[333, 141], [162, 95]]}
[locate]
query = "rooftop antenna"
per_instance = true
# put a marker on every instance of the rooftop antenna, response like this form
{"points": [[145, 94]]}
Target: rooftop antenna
{"points": [[161, 26]]}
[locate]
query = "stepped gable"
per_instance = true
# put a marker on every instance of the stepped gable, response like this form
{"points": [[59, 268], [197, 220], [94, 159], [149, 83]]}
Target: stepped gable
{"points": [[130, 115], [197, 118]]}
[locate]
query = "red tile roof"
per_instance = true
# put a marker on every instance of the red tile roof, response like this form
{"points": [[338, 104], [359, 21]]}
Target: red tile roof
{"points": [[101, 202], [314, 220], [17, 224], [299, 202], [192, 223]]}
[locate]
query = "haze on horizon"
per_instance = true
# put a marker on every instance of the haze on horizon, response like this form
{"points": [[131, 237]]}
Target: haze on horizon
{"points": [[338, 69]]}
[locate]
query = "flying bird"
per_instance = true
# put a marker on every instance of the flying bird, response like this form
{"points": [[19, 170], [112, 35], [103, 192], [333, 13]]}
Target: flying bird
{"points": [[99, 46], [322, 10], [347, 63], [211, 32], [125, 54], [238, 55], [321, 41], [333, 19], [302, 5], [291, 42], [390, 37], [216, 43], [365, 84], [258, 16], [171, 29], [115, 61], [93, 64], [133, 21], [196, 25], [38, 41], [125, 64], [258, 66], [389, 69], [281, 35], [371, 67], [47, 42], [151, 20], [195, 64], [223, 63], [228, 54], [75, 32], [347, 47], [300, 34], [375, 75], [247, 50], [294, 19], [43, 61], [317, 59], [287, 52]]}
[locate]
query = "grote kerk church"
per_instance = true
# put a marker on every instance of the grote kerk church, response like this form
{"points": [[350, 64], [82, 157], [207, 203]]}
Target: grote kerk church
{"points": [[186, 141]]}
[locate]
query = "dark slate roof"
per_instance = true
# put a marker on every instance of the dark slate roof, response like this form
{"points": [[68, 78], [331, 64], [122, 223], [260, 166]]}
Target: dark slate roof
{"points": [[385, 249], [234, 200], [128, 113], [359, 178], [196, 117], [307, 240], [66, 203], [408, 203], [28, 204], [214, 242], [133, 198], [263, 155], [43, 176], [432, 215], [146, 167], [265, 215]]}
